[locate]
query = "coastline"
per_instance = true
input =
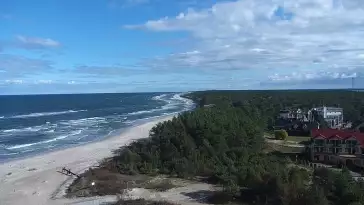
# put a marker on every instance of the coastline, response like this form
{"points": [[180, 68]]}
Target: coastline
{"points": [[112, 134], [35, 180]]}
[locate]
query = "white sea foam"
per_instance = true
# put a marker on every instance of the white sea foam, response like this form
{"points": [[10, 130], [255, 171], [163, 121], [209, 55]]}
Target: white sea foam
{"points": [[142, 112], [148, 118], [171, 103], [44, 127], [76, 132], [84, 121], [8, 154], [159, 97], [27, 129], [9, 130], [21, 146], [60, 131], [39, 114], [50, 131]]}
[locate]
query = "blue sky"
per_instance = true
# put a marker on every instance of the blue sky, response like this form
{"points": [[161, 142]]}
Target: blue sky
{"points": [[77, 46]]}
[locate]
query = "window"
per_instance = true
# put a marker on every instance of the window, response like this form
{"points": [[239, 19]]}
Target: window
{"points": [[353, 151], [326, 158], [351, 143], [337, 150], [318, 149], [350, 150], [319, 142], [335, 143]]}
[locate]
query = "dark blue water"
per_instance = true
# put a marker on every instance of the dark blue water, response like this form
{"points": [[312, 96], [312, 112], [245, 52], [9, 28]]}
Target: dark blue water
{"points": [[38, 123]]}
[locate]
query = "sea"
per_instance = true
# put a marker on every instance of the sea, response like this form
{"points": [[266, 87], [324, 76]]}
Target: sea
{"points": [[34, 124]]}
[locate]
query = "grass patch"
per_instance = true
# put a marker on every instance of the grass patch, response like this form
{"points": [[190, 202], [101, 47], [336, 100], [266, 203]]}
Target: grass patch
{"points": [[299, 138], [273, 147], [160, 185]]}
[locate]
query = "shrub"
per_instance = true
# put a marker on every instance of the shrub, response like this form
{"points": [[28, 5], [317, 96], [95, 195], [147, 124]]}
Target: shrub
{"points": [[162, 185], [281, 134]]}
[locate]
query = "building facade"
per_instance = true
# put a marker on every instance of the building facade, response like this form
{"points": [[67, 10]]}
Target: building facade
{"points": [[334, 116], [291, 114], [333, 146]]}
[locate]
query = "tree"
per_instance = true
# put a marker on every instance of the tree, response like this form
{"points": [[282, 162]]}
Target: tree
{"points": [[280, 134], [224, 144]]}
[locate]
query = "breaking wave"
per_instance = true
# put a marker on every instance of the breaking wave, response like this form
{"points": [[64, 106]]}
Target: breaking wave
{"points": [[40, 114], [45, 141], [39, 131], [171, 103]]}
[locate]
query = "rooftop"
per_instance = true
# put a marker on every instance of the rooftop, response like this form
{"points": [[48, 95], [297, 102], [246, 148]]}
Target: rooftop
{"points": [[340, 134]]}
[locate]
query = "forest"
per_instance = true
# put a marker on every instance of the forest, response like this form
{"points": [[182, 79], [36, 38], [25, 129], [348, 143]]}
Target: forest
{"points": [[224, 144], [271, 102]]}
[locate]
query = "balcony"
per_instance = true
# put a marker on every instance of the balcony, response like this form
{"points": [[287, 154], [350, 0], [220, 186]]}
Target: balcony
{"points": [[319, 149]]}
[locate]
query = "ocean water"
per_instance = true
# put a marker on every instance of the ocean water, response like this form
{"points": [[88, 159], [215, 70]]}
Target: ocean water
{"points": [[32, 124]]}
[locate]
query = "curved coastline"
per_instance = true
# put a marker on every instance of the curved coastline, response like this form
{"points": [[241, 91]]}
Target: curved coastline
{"points": [[68, 143], [34, 180]]}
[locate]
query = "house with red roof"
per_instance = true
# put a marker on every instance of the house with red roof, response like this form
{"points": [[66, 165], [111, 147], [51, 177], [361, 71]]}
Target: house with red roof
{"points": [[337, 146]]}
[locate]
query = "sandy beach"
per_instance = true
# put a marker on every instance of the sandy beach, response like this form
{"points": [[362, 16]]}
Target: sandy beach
{"points": [[35, 180]]}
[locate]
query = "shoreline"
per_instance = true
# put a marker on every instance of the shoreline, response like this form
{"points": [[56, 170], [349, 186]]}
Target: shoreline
{"points": [[112, 134], [34, 180]]}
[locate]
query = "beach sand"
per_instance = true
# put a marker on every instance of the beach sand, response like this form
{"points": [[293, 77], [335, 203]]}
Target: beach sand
{"points": [[35, 180]]}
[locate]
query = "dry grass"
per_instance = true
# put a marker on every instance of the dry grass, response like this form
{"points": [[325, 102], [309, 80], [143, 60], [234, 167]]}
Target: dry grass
{"points": [[160, 184], [105, 183], [101, 182]]}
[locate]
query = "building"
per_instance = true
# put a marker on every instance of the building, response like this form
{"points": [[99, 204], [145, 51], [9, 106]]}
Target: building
{"points": [[334, 116], [285, 114], [337, 147], [291, 114], [295, 127]]}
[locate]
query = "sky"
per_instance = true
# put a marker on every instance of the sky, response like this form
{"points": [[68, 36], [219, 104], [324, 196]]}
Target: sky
{"points": [[79, 46]]}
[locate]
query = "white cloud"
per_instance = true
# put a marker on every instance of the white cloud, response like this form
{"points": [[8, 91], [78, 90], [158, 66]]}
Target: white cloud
{"points": [[37, 43], [312, 76], [13, 65], [43, 82], [15, 81], [320, 37]]}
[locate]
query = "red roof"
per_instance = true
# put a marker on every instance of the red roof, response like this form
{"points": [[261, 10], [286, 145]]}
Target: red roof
{"points": [[342, 134]]}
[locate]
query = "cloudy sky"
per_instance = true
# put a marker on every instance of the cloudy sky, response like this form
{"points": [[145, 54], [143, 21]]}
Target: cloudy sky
{"points": [[76, 46]]}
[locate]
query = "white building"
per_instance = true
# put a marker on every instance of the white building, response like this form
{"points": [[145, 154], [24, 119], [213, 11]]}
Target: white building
{"points": [[334, 116], [291, 114]]}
